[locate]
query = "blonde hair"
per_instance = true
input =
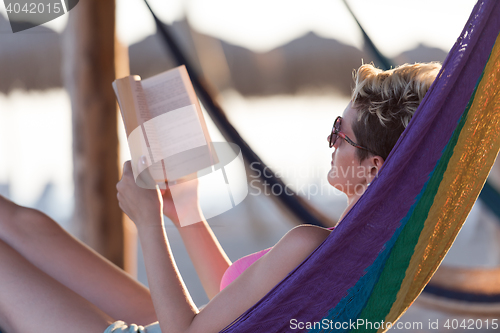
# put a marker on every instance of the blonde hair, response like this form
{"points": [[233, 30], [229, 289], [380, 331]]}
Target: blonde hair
{"points": [[386, 101]]}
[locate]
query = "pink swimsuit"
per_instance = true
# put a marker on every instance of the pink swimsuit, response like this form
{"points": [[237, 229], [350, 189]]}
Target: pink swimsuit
{"points": [[240, 265]]}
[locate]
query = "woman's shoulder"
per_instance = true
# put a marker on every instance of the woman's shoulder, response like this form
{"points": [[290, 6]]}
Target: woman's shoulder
{"points": [[297, 245], [306, 235]]}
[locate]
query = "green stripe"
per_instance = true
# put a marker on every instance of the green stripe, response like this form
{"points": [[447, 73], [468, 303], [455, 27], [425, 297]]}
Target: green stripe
{"points": [[385, 291]]}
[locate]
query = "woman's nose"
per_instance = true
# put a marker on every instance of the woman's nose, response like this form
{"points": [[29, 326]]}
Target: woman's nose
{"points": [[328, 138]]}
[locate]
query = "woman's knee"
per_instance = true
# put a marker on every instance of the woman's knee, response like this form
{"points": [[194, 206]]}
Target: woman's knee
{"points": [[18, 221], [7, 207], [8, 211]]}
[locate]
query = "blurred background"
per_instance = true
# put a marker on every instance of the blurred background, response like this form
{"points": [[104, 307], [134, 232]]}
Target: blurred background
{"points": [[281, 70]]}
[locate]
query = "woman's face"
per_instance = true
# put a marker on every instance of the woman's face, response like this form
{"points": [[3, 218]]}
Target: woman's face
{"points": [[347, 173]]}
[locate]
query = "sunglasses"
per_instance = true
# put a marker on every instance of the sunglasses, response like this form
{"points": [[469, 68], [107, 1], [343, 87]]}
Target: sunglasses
{"points": [[336, 133]]}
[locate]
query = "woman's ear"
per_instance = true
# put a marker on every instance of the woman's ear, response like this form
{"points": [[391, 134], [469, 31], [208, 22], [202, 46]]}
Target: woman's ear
{"points": [[375, 163]]}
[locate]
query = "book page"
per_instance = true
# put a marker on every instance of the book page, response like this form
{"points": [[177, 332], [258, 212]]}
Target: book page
{"points": [[165, 126], [132, 101], [194, 99], [177, 131], [143, 114], [165, 92], [174, 132], [135, 113]]}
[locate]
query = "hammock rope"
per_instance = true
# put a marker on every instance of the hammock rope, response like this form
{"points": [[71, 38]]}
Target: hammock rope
{"points": [[384, 62]]}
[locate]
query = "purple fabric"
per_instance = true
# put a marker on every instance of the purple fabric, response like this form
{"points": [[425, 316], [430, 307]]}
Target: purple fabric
{"points": [[324, 278]]}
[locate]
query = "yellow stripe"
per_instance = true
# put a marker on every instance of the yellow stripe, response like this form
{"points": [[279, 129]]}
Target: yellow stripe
{"points": [[470, 164]]}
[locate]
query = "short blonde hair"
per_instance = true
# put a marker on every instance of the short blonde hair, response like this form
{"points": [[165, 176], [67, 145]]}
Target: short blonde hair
{"points": [[386, 101]]}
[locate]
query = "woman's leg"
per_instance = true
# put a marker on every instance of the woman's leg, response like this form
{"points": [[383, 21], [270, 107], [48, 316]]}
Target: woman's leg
{"points": [[52, 250], [32, 301]]}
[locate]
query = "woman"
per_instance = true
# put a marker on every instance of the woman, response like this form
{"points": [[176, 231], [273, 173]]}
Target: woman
{"points": [[49, 279]]}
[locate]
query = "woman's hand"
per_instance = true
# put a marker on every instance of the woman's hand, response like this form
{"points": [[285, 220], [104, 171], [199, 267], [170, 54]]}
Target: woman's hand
{"points": [[169, 206], [185, 202], [143, 206]]}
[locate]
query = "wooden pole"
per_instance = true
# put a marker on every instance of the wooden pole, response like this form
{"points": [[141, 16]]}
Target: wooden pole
{"points": [[122, 68], [89, 69]]}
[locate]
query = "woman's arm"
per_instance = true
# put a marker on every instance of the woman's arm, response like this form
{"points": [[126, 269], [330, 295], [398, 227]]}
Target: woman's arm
{"points": [[174, 307], [205, 251], [207, 255]]}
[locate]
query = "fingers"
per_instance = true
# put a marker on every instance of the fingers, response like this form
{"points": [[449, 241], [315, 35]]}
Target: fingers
{"points": [[126, 176], [127, 167], [133, 200]]}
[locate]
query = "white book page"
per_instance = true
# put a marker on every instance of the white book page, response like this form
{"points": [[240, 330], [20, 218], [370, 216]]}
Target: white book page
{"points": [[133, 106], [165, 92], [174, 126], [174, 132], [140, 102]]}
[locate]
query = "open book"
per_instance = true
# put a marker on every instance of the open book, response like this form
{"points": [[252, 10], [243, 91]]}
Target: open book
{"points": [[166, 132]]}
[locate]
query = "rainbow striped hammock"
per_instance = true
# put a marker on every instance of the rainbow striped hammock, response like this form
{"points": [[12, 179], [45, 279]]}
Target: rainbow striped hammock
{"points": [[380, 257]]}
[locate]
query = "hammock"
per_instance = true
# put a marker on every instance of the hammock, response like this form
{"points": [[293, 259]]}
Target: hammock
{"points": [[443, 292], [474, 290], [380, 257]]}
